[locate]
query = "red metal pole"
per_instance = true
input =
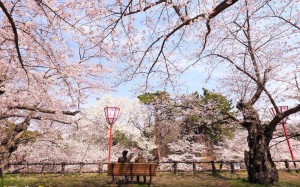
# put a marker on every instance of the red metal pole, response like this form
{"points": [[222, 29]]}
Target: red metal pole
{"points": [[109, 144], [288, 141]]}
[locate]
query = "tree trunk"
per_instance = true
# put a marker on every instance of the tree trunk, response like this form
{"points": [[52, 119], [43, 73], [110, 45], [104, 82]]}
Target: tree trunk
{"points": [[260, 166], [11, 143], [157, 134]]}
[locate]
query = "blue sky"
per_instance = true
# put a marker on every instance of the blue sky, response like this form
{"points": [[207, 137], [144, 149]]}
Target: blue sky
{"points": [[192, 80]]}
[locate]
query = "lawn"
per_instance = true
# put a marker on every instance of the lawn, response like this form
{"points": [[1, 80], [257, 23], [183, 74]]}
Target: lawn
{"points": [[163, 179]]}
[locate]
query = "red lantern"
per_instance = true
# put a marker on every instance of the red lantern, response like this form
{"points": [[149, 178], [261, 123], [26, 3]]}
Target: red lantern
{"points": [[111, 115]]}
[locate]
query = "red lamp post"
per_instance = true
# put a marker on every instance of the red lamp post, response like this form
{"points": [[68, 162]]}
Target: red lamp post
{"points": [[111, 115], [283, 109]]}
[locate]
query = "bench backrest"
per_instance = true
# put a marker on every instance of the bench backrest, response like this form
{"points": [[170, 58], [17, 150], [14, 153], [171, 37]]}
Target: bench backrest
{"points": [[132, 169]]}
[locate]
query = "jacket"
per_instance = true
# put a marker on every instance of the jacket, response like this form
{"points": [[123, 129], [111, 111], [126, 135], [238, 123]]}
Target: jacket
{"points": [[140, 159]]}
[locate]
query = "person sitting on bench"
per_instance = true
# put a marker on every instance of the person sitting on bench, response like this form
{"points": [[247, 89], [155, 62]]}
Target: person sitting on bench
{"points": [[140, 159], [124, 159]]}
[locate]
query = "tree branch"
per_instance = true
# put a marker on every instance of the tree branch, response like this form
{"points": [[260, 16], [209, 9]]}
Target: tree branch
{"points": [[47, 111], [280, 116], [285, 20], [146, 7], [16, 38], [222, 6], [293, 136], [185, 21]]}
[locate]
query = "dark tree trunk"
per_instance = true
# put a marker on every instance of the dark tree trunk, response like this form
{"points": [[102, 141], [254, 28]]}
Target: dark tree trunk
{"points": [[260, 166], [11, 143], [157, 141]]}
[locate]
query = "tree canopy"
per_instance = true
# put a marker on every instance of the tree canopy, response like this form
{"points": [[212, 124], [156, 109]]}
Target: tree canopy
{"points": [[213, 121]]}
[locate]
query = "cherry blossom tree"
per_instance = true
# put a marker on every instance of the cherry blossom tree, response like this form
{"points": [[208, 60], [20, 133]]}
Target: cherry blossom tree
{"points": [[47, 64], [262, 54], [88, 140], [133, 129]]}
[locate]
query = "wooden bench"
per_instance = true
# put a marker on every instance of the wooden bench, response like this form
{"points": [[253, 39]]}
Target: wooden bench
{"points": [[132, 169]]}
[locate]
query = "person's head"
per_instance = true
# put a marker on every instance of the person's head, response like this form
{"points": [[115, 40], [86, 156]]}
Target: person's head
{"points": [[124, 153]]}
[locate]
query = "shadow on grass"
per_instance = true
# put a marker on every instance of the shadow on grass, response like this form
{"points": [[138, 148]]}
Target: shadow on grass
{"points": [[235, 179], [244, 182], [122, 182], [218, 175]]}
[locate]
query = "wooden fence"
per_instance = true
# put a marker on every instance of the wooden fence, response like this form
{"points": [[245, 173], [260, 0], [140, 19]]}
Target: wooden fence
{"points": [[172, 166]]}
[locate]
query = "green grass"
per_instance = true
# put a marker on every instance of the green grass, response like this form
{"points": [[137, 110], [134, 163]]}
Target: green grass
{"points": [[163, 179]]}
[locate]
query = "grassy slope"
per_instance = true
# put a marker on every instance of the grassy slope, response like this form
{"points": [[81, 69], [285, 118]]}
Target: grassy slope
{"points": [[163, 179]]}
